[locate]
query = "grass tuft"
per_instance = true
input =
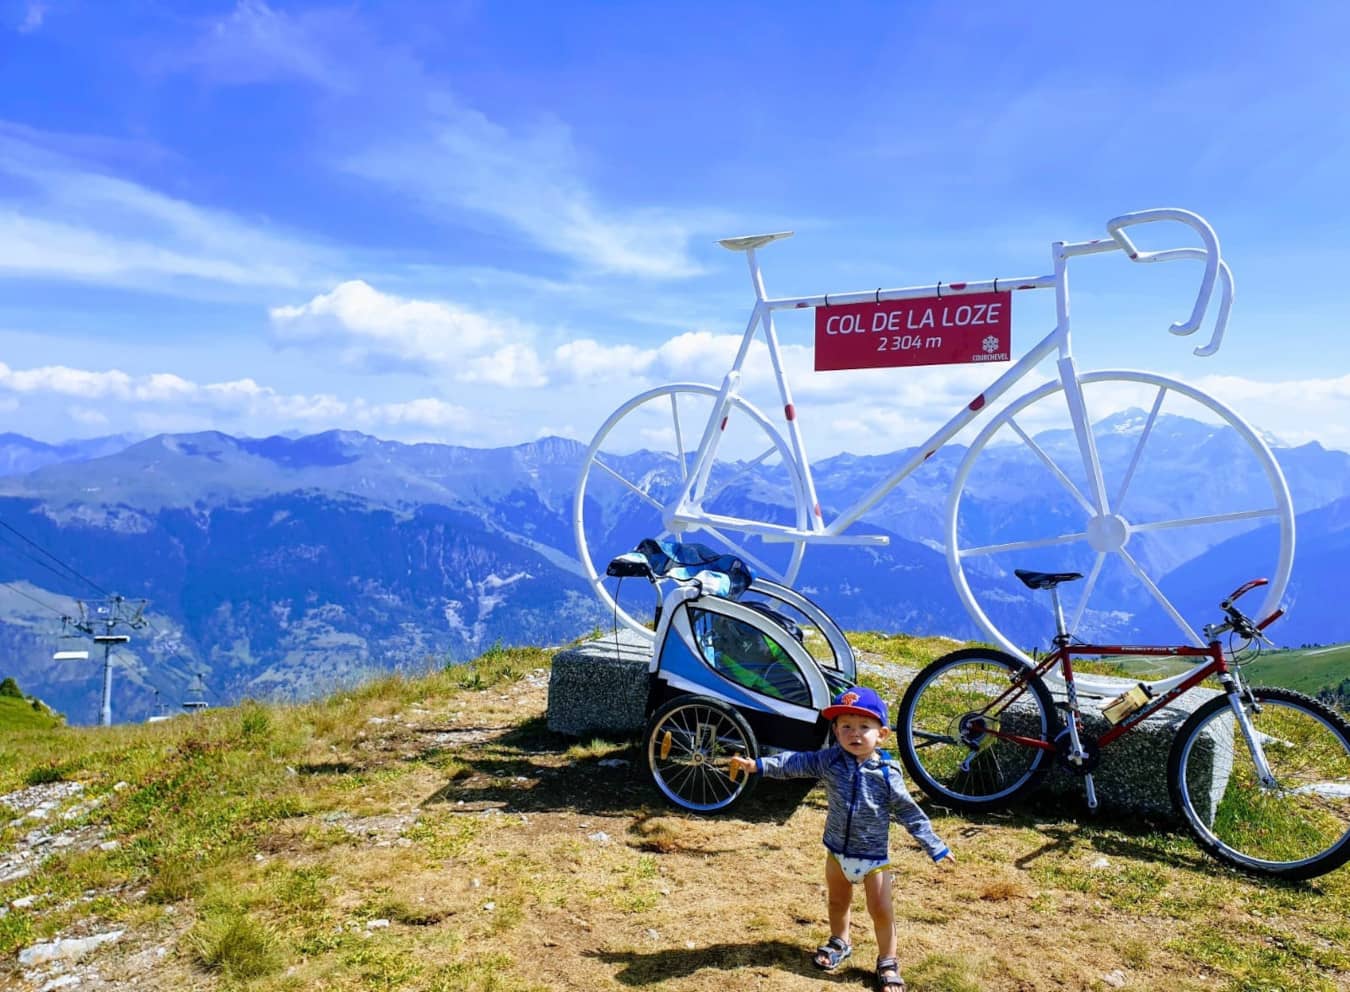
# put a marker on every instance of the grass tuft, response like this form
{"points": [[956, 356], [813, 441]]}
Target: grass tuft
{"points": [[172, 880], [235, 945], [943, 973], [254, 721], [44, 774], [1002, 891]]}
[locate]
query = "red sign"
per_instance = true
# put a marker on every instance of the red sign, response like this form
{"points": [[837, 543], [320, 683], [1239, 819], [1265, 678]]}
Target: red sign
{"points": [[936, 330]]}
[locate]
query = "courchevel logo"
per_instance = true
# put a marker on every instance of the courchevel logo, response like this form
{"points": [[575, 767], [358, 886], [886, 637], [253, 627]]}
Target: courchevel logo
{"points": [[991, 344]]}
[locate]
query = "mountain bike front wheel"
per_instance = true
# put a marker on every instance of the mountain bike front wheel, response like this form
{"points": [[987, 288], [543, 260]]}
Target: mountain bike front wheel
{"points": [[1295, 827], [955, 722], [641, 460]]}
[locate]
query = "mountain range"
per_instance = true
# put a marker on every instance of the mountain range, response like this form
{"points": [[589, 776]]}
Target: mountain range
{"points": [[286, 566]]}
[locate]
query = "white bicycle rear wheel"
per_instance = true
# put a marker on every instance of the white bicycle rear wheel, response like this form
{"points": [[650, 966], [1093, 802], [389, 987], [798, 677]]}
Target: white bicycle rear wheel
{"points": [[638, 464], [1133, 555]]}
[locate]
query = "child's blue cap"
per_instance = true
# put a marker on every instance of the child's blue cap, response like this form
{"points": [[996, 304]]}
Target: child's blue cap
{"points": [[860, 700]]}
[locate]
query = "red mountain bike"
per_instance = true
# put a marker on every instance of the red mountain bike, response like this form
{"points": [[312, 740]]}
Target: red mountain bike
{"points": [[1260, 776]]}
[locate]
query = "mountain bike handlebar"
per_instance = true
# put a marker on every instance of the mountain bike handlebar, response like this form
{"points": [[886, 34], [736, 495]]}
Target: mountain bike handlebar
{"points": [[1238, 622]]}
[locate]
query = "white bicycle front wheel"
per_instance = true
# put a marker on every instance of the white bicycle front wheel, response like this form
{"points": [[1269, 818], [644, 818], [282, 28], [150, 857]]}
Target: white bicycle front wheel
{"points": [[641, 461], [1184, 521]]}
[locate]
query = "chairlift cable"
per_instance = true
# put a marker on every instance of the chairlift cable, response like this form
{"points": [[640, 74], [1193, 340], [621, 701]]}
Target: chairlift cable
{"points": [[73, 571], [65, 577], [45, 606]]}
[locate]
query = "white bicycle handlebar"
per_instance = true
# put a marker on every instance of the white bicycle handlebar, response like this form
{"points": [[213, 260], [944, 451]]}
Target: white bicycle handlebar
{"points": [[1215, 267]]}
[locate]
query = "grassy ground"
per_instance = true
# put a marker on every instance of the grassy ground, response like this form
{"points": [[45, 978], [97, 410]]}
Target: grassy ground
{"points": [[19, 714], [432, 834], [1305, 670]]}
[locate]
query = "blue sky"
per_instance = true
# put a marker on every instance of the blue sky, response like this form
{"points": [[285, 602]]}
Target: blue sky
{"points": [[483, 223]]}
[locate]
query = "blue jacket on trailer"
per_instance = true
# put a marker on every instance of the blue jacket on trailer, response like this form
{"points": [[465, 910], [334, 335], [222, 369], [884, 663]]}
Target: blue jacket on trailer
{"points": [[863, 795]]}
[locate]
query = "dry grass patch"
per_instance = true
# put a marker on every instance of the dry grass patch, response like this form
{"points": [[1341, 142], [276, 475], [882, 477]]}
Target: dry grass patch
{"points": [[1003, 890]]}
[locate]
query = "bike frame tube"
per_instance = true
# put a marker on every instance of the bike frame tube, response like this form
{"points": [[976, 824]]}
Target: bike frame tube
{"points": [[696, 487], [794, 430], [1214, 664], [1057, 338], [697, 483]]}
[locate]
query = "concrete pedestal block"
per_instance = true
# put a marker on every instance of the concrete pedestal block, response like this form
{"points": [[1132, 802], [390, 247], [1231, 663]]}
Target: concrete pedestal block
{"points": [[1132, 775], [599, 688]]}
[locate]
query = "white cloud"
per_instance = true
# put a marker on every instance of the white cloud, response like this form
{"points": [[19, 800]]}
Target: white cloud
{"points": [[66, 381], [88, 417], [67, 219], [429, 146], [166, 401], [512, 365], [32, 17], [586, 360], [421, 412], [254, 43], [1296, 411], [458, 160], [378, 331]]}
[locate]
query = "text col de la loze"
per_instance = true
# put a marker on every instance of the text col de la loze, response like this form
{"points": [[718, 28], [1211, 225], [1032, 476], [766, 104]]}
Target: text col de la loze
{"points": [[930, 331]]}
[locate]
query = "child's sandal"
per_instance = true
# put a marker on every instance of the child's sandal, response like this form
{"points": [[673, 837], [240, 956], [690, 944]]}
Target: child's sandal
{"points": [[888, 976], [832, 954]]}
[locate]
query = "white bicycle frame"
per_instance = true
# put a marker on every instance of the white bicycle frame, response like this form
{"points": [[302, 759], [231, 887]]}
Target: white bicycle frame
{"points": [[689, 506], [1104, 532]]}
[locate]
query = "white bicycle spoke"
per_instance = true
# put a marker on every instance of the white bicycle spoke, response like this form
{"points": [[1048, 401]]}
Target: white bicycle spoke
{"points": [[644, 496], [1040, 542], [1087, 591], [679, 437], [1163, 601], [1055, 470], [1139, 448], [1211, 518], [759, 564]]}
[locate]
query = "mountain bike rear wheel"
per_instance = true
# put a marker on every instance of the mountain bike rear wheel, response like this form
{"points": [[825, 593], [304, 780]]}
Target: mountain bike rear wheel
{"points": [[689, 742], [949, 722], [1296, 828]]}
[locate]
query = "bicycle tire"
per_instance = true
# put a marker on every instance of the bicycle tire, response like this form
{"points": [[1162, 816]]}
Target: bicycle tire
{"points": [[1106, 547], [689, 740], [613, 509], [1297, 830], [936, 736]]}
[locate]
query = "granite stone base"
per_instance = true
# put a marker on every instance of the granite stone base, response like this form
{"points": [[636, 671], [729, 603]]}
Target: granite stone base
{"points": [[1132, 775], [599, 688]]}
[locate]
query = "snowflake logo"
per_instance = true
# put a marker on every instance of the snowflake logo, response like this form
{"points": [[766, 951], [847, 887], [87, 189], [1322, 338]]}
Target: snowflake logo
{"points": [[990, 344]]}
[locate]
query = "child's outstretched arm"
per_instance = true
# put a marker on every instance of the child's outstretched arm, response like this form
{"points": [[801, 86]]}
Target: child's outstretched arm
{"points": [[783, 764], [741, 765], [915, 820]]}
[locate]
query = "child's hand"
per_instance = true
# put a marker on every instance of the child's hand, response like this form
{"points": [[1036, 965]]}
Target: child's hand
{"points": [[738, 765], [947, 862]]}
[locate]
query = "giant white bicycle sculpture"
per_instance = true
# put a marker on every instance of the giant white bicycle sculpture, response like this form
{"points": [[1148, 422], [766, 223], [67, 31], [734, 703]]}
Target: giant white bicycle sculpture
{"points": [[706, 495]]}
